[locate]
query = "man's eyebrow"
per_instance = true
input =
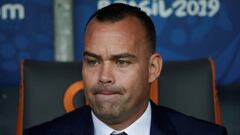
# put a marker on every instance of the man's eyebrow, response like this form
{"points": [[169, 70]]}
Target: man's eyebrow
{"points": [[114, 56], [86, 53], [123, 55]]}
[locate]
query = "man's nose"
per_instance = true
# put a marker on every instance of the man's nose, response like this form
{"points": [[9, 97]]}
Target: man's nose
{"points": [[106, 74]]}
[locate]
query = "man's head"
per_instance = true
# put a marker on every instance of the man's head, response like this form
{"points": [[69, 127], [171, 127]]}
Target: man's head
{"points": [[119, 63], [118, 12]]}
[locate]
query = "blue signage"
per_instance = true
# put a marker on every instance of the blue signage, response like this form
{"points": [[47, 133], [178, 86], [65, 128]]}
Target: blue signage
{"points": [[26, 31]]}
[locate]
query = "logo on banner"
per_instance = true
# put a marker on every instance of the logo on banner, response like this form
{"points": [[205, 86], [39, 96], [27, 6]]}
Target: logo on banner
{"points": [[12, 12], [178, 8]]}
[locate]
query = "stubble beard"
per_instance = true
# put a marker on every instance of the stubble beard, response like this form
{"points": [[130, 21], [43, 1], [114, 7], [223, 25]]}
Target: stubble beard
{"points": [[110, 112]]}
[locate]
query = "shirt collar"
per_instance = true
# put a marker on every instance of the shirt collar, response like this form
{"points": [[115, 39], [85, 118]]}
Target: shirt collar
{"points": [[141, 126]]}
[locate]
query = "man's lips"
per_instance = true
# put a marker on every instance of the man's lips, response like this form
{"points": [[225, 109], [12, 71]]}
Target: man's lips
{"points": [[110, 91], [106, 93]]}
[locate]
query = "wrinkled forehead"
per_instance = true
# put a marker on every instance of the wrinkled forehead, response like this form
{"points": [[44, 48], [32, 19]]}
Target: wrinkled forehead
{"points": [[126, 24], [128, 31]]}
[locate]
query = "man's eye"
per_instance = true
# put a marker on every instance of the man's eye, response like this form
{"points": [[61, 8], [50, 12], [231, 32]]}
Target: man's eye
{"points": [[123, 62], [90, 61]]}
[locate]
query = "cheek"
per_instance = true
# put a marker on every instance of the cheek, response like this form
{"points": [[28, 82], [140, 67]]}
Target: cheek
{"points": [[133, 80], [89, 83], [89, 78]]}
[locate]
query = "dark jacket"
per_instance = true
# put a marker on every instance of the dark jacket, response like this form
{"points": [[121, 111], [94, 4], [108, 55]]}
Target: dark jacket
{"points": [[164, 121]]}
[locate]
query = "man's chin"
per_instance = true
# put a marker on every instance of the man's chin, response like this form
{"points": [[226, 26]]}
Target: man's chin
{"points": [[108, 118], [107, 105], [107, 113]]}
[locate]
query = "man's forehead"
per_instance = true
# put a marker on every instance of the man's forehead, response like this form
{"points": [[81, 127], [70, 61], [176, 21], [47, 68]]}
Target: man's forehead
{"points": [[128, 21], [103, 32], [118, 37], [112, 34]]}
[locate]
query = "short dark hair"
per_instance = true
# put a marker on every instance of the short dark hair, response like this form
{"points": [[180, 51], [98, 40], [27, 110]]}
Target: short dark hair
{"points": [[118, 11]]}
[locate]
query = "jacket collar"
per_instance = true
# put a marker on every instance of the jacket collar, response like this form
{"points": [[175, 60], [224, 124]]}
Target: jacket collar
{"points": [[160, 123], [84, 123]]}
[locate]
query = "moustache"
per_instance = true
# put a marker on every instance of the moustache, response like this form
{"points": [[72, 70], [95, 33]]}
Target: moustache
{"points": [[107, 89]]}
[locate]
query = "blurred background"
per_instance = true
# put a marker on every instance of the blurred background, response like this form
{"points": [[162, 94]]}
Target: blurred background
{"points": [[52, 30]]}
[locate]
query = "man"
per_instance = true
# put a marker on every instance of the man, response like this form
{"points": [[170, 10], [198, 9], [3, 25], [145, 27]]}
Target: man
{"points": [[119, 64]]}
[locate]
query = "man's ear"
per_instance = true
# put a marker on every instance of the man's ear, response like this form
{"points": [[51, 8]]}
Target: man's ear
{"points": [[155, 67]]}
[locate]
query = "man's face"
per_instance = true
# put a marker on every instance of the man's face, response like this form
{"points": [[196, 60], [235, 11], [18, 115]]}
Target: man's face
{"points": [[116, 70]]}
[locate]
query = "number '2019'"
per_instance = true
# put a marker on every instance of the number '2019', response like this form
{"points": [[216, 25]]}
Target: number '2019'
{"points": [[193, 7]]}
